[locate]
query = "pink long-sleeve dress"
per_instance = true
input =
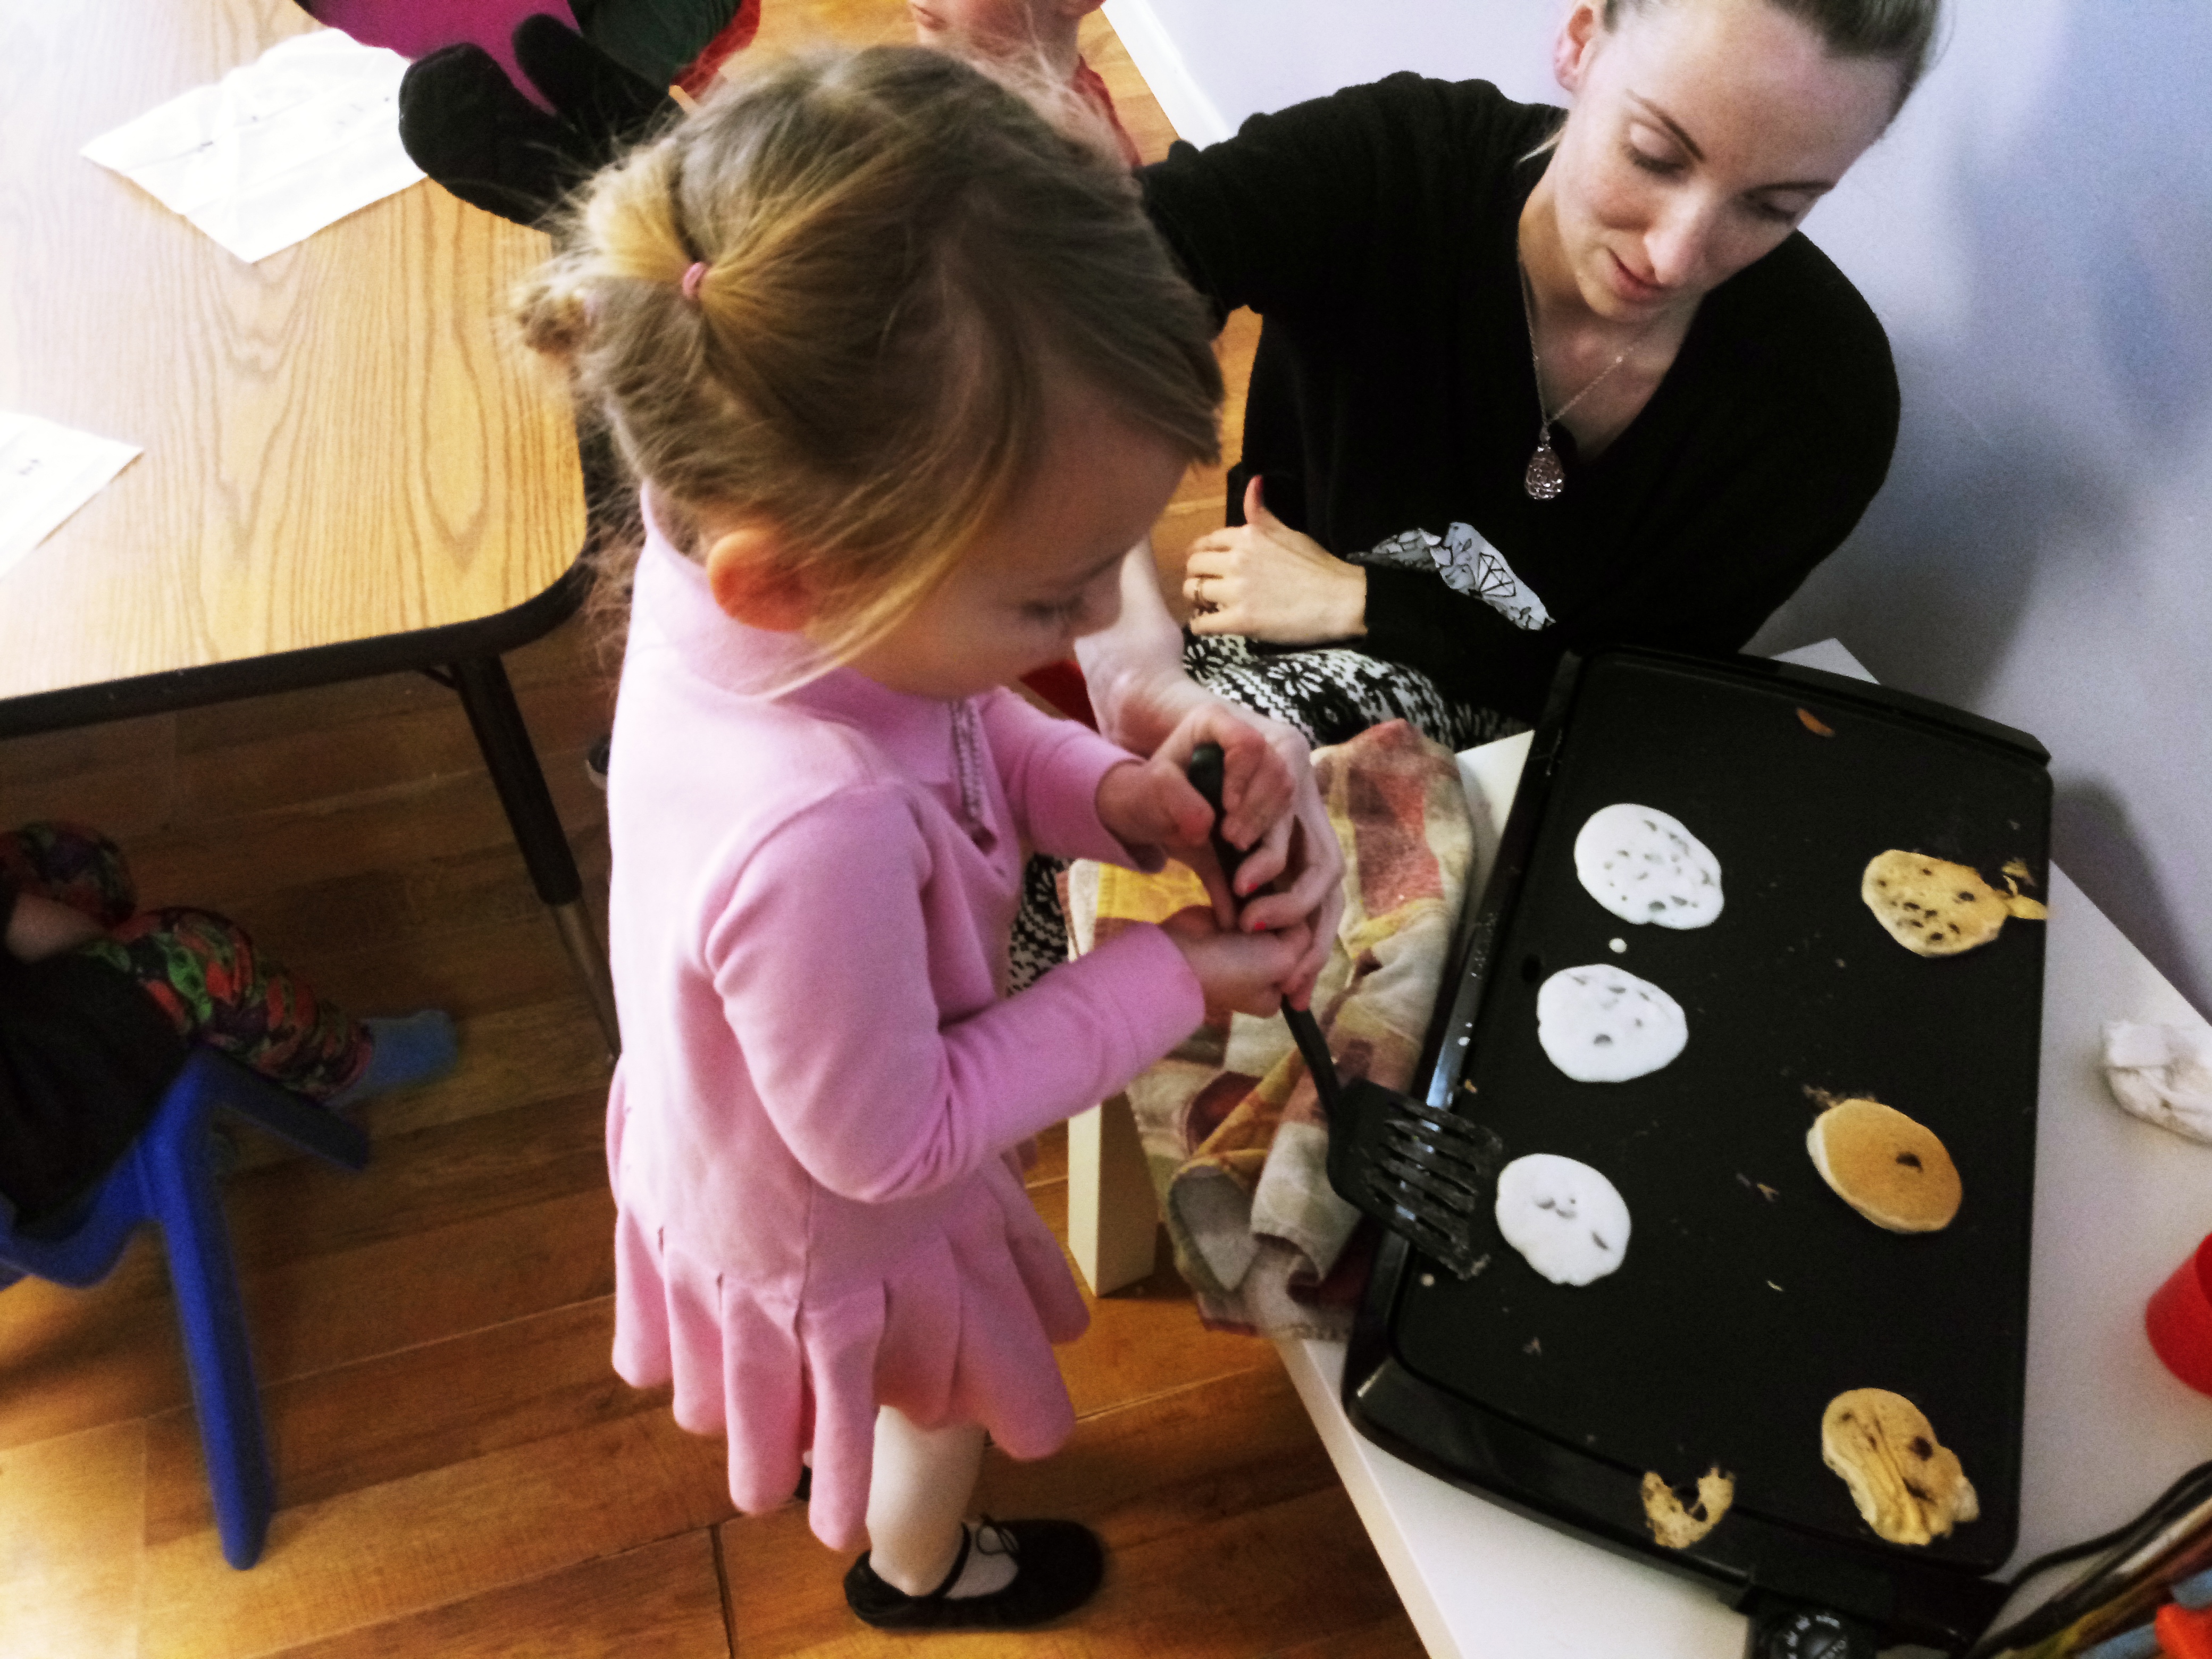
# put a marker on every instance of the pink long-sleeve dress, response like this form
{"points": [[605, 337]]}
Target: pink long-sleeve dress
{"points": [[820, 1080]]}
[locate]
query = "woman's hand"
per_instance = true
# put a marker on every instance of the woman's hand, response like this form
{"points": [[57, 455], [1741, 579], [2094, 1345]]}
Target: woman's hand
{"points": [[1298, 858], [1147, 703], [1265, 580], [1247, 973], [1152, 803]]}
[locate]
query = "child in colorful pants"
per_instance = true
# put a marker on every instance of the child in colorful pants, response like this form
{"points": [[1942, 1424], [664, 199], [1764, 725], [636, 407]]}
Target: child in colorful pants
{"points": [[99, 1002]]}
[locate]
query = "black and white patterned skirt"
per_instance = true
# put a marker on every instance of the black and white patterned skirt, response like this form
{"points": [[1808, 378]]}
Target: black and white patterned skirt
{"points": [[1333, 694]]}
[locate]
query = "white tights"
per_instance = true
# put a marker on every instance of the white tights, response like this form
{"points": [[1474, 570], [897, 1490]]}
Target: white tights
{"points": [[918, 1493]]}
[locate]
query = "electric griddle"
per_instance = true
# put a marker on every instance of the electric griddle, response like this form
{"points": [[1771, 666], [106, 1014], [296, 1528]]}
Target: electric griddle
{"points": [[1751, 1294]]}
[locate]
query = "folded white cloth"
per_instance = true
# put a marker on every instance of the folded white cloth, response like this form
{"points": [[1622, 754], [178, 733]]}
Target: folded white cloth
{"points": [[46, 472], [2163, 1074], [268, 155]]}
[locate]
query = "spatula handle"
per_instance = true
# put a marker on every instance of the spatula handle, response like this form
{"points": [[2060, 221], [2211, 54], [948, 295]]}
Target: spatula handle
{"points": [[1204, 772], [1305, 1029]]}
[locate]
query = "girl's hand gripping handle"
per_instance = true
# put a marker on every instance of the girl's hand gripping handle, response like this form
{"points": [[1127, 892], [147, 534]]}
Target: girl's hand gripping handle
{"points": [[1205, 773]]}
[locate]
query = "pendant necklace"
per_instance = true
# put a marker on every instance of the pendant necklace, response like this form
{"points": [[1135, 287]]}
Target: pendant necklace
{"points": [[1546, 479]]}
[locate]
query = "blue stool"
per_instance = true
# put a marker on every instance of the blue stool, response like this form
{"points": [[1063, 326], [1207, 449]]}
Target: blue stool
{"points": [[166, 1178]]}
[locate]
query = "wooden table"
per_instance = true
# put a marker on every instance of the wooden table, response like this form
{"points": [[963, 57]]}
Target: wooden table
{"points": [[2119, 1204], [351, 468]]}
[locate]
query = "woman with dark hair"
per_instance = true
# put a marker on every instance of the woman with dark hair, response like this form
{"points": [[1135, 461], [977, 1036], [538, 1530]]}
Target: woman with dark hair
{"points": [[1529, 383]]}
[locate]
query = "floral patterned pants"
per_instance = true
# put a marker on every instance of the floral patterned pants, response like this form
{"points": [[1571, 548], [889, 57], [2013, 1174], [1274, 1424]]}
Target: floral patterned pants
{"points": [[203, 969]]}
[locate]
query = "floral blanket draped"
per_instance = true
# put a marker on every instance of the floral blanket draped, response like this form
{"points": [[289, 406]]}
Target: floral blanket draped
{"points": [[1232, 1128]]}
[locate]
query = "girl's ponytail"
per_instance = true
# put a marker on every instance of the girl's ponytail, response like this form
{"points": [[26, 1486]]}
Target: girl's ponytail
{"points": [[833, 299]]}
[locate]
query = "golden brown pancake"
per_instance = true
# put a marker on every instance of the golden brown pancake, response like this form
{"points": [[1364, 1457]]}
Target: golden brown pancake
{"points": [[1908, 1486], [1933, 907], [1676, 1525], [1894, 1171]]}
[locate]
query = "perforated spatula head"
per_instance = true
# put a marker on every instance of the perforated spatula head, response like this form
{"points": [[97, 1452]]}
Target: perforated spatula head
{"points": [[1422, 1172]]}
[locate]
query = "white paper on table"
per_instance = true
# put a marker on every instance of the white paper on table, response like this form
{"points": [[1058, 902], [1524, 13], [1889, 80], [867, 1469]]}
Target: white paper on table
{"points": [[276, 149], [47, 472]]}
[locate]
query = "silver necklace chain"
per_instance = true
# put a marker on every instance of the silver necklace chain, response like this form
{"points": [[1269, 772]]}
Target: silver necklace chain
{"points": [[1545, 478]]}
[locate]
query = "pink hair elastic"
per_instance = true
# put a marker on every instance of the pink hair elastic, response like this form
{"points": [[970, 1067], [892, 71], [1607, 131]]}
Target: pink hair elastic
{"points": [[692, 279]]}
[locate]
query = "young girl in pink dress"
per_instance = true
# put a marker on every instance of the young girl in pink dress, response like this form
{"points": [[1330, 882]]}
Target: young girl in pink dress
{"points": [[904, 372]]}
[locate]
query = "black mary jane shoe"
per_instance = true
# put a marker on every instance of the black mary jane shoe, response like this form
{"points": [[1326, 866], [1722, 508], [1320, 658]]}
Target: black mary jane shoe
{"points": [[1060, 1564]]}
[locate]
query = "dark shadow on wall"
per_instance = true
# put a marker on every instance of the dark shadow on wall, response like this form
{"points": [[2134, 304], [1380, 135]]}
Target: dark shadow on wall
{"points": [[2092, 840], [1931, 592], [2043, 430]]}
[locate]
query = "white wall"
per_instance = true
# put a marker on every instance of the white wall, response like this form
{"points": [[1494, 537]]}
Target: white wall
{"points": [[2036, 233]]}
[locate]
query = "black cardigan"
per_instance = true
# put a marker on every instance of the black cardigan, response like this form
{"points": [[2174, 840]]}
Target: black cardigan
{"points": [[1375, 232]]}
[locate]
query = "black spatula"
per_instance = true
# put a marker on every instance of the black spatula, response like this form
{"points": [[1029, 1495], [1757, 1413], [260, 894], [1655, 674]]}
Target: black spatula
{"points": [[1424, 1173]]}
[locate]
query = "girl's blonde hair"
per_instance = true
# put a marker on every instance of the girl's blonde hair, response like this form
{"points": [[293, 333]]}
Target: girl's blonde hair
{"points": [[901, 257]]}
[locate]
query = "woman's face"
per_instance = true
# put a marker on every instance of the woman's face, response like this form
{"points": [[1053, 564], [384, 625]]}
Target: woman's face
{"points": [[1702, 131]]}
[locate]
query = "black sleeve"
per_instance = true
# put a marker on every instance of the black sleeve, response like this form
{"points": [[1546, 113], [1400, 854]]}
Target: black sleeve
{"points": [[1753, 519], [1768, 495], [1752, 544], [7, 909], [1473, 654], [1286, 212]]}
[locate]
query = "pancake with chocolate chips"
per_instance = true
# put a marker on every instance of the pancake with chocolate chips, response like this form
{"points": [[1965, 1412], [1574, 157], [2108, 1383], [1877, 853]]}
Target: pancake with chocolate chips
{"points": [[1908, 1486], [1933, 907]]}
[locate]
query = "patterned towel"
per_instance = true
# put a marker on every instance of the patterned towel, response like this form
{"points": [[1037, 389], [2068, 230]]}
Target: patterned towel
{"points": [[1231, 1126]]}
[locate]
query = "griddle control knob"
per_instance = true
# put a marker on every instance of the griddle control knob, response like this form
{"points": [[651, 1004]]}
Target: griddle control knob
{"points": [[1807, 1633]]}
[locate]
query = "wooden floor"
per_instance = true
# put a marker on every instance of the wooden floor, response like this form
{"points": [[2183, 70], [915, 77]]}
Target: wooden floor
{"points": [[461, 1473]]}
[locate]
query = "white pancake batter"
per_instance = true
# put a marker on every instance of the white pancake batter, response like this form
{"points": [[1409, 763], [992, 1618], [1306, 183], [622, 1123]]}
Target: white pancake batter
{"points": [[1643, 866], [1567, 1220], [1600, 1023]]}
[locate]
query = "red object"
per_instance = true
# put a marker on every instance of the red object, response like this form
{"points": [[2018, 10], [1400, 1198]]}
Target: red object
{"points": [[1091, 86], [1062, 685], [737, 35], [2183, 1634], [2179, 1320]]}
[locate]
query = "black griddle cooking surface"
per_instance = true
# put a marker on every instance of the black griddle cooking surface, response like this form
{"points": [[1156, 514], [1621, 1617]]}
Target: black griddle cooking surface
{"points": [[1751, 1294]]}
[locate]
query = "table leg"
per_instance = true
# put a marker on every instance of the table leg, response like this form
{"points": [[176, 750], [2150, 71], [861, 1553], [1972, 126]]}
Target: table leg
{"points": [[1113, 1217], [505, 740]]}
